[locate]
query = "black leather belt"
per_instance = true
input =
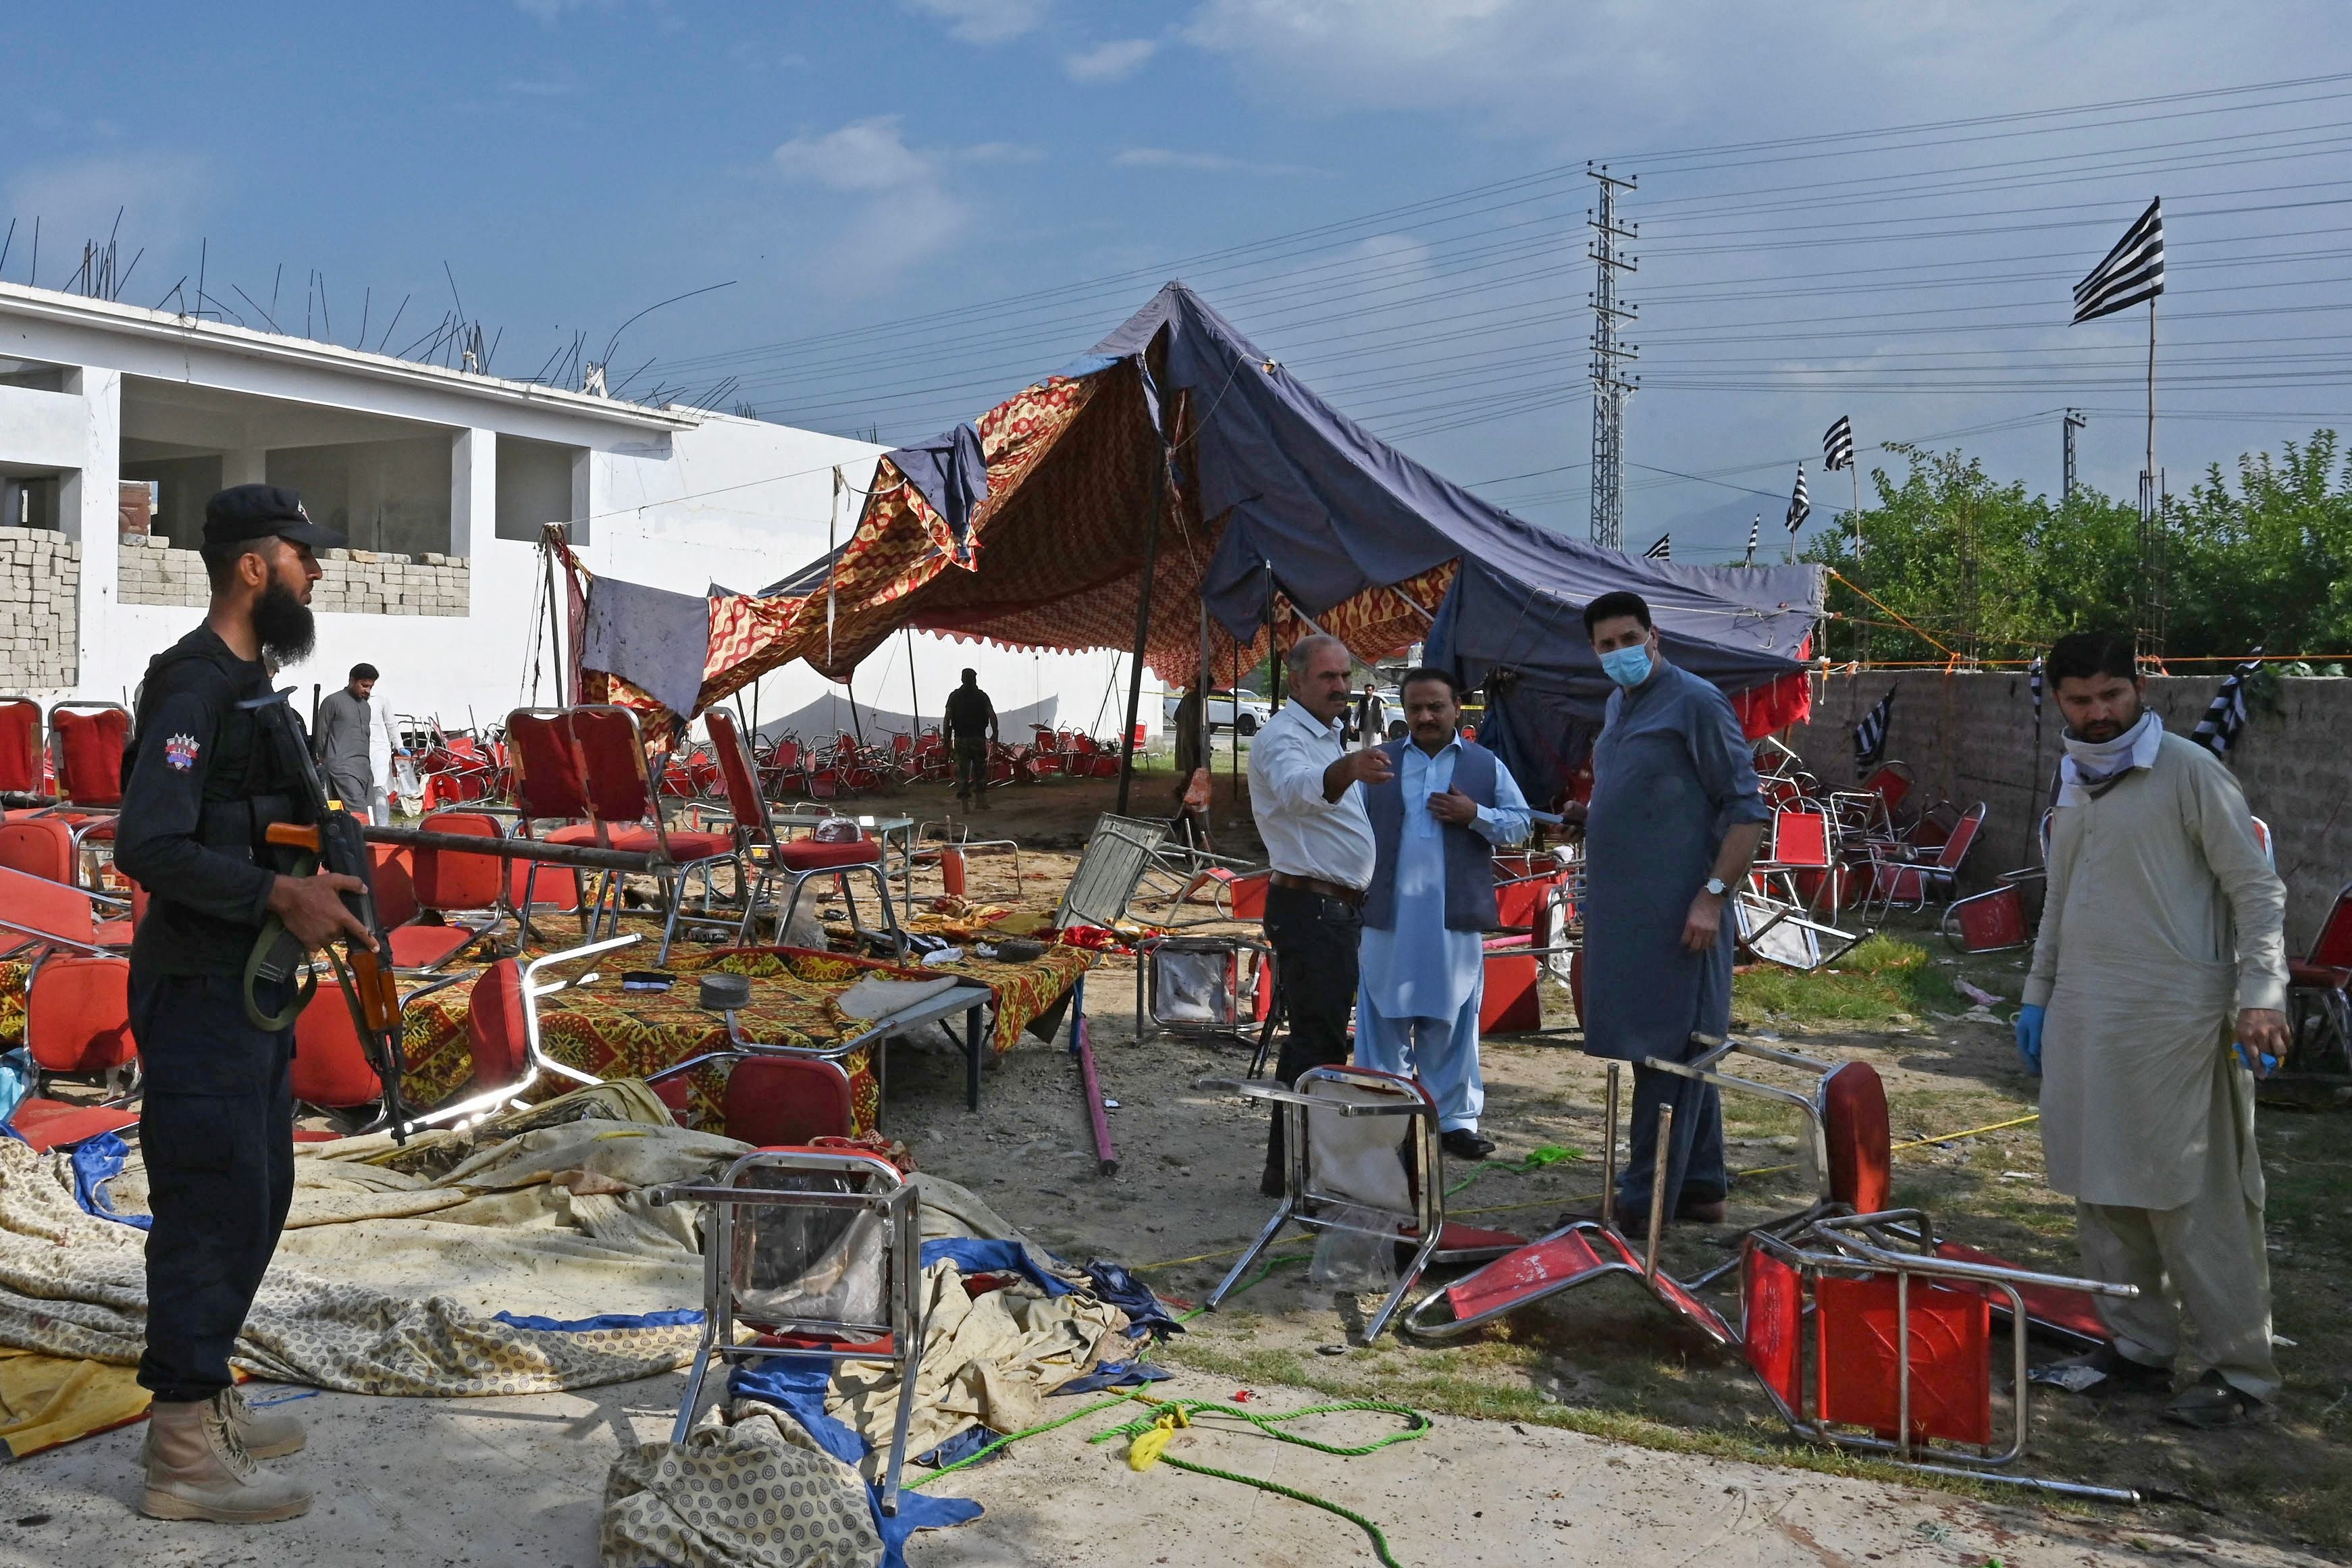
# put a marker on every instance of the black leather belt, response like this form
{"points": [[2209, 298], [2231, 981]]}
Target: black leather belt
{"points": [[1319, 886]]}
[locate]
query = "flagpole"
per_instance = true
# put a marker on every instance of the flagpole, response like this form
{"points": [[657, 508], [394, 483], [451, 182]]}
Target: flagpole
{"points": [[1853, 472]]}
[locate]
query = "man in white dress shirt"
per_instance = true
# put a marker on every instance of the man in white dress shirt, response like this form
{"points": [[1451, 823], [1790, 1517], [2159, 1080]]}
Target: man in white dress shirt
{"points": [[1307, 793]]}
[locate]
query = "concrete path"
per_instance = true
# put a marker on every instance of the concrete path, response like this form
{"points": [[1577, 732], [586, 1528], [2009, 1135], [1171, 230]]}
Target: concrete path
{"points": [[424, 1482]]}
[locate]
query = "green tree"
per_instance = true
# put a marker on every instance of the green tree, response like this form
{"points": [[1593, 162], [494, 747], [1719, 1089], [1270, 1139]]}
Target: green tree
{"points": [[1983, 570]]}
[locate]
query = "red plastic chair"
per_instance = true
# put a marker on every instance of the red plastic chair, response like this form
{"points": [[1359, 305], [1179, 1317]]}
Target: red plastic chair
{"points": [[1915, 884], [414, 946], [777, 1101], [78, 1015], [86, 742], [331, 1070], [36, 912], [22, 771], [2319, 994], [768, 855], [40, 847], [587, 765]]}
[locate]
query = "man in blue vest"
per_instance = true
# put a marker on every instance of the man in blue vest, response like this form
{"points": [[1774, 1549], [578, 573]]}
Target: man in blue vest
{"points": [[1436, 820]]}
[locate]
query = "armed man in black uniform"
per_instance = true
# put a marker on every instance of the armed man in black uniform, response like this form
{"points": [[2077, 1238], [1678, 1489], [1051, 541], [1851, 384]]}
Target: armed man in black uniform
{"points": [[203, 782]]}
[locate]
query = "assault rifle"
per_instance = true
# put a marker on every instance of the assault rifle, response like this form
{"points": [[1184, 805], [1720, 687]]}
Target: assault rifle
{"points": [[323, 837]]}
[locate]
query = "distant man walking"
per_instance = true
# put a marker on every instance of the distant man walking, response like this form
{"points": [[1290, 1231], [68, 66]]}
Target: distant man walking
{"points": [[971, 721], [1304, 791], [342, 743], [2162, 942], [1674, 822], [1423, 962]]}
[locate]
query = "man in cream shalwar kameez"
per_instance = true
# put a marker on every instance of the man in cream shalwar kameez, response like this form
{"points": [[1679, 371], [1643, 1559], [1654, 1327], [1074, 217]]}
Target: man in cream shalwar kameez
{"points": [[2162, 929]]}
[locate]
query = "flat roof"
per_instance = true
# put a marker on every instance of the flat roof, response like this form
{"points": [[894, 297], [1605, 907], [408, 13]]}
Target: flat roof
{"points": [[106, 315]]}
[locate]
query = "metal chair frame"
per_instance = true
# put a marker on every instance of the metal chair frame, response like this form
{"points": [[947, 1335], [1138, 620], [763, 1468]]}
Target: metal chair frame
{"points": [[1240, 1029], [1302, 1200], [897, 1341], [1618, 1257], [535, 1058], [1901, 1243]]}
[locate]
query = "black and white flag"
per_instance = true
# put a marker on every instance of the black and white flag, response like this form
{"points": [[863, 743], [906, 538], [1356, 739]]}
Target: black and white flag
{"points": [[1837, 444], [1801, 506], [1754, 529], [1870, 735], [1664, 550], [2226, 714], [2033, 679], [2133, 270]]}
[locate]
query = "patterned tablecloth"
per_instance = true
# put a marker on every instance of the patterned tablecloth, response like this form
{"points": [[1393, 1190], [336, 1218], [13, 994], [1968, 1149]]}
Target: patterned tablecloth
{"points": [[611, 1033]]}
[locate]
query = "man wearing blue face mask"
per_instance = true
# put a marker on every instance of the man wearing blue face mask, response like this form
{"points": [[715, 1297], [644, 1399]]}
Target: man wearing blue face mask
{"points": [[1674, 821]]}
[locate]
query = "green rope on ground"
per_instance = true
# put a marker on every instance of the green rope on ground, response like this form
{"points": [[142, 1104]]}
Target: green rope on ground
{"points": [[1539, 1157], [1271, 1265], [1380, 1537], [1271, 1424], [1030, 1432]]}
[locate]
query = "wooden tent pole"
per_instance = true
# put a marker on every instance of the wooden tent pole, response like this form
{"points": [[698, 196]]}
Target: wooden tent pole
{"points": [[1142, 630]]}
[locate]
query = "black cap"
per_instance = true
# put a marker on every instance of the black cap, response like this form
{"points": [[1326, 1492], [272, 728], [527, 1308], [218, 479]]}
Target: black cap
{"points": [[257, 511]]}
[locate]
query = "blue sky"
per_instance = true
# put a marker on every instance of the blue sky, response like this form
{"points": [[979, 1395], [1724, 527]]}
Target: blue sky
{"points": [[920, 204]]}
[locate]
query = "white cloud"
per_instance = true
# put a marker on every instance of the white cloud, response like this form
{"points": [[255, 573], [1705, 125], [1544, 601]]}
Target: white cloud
{"points": [[1114, 61], [1201, 162], [987, 21], [1613, 75], [904, 212], [863, 155]]}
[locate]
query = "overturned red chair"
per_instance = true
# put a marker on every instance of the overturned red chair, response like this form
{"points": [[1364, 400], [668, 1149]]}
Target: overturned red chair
{"points": [[502, 1031], [23, 773], [820, 1254], [1362, 1156], [1901, 1347], [1575, 1255]]}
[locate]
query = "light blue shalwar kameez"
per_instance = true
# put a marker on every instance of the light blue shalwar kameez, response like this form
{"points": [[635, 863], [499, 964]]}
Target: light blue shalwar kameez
{"points": [[1419, 985]]}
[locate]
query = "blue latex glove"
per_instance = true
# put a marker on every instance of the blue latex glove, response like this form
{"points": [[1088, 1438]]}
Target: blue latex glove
{"points": [[2246, 1055], [2028, 1037]]}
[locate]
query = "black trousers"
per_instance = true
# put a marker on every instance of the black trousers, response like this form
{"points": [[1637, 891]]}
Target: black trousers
{"points": [[218, 1130], [972, 764], [1695, 1168], [1314, 942]]}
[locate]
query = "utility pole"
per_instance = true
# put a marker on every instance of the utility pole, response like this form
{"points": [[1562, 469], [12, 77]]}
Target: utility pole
{"points": [[2074, 421], [1610, 382]]}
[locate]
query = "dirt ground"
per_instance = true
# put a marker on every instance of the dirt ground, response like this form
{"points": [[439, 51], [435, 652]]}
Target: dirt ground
{"points": [[1606, 1361], [1593, 1429]]}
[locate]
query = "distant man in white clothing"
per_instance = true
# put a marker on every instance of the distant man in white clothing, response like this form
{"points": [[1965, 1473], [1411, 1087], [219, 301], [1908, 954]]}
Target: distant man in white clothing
{"points": [[2157, 989], [1306, 793]]}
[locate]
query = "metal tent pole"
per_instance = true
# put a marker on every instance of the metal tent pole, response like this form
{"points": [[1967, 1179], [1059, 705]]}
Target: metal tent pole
{"points": [[1142, 628]]}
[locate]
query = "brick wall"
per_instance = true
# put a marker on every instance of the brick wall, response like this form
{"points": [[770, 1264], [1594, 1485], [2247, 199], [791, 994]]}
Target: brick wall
{"points": [[356, 582], [40, 582], [1971, 738]]}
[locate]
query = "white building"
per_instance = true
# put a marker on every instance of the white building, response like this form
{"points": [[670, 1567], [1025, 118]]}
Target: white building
{"points": [[441, 478]]}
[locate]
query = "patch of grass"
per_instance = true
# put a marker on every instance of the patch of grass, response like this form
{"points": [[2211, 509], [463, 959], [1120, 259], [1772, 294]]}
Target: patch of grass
{"points": [[1884, 980]]}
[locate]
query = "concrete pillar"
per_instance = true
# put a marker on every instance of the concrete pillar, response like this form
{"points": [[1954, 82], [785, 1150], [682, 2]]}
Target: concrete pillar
{"points": [[473, 491], [583, 498], [244, 466], [86, 512]]}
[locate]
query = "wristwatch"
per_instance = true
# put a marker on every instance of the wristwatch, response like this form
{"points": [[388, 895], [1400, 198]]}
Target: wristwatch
{"points": [[1717, 886]]}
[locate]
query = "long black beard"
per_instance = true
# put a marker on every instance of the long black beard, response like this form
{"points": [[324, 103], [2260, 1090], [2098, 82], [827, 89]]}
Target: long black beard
{"points": [[285, 625]]}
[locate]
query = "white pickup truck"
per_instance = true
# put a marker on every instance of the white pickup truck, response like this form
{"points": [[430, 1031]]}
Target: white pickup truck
{"points": [[1255, 710]]}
